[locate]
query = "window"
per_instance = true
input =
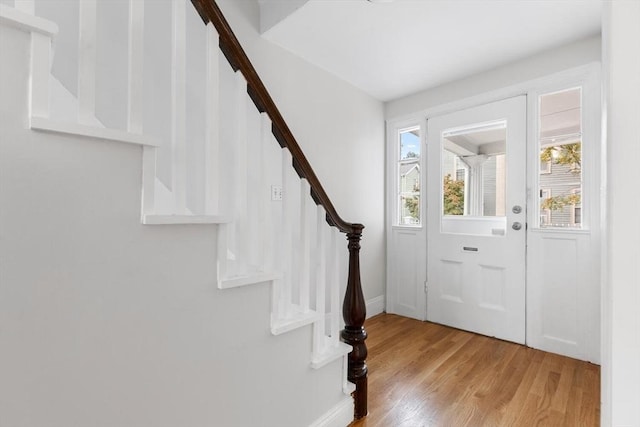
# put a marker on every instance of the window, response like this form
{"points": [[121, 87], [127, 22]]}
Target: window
{"points": [[576, 208], [474, 170], [545, 214], [560, 159], [409, 176], [545, 167]]}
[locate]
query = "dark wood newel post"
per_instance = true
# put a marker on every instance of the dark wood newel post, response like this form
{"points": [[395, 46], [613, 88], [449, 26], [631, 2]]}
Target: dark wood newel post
{"points": [[354, 312]]}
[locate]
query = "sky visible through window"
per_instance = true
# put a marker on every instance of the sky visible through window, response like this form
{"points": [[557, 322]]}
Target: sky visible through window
{"points": [[409, 143]]}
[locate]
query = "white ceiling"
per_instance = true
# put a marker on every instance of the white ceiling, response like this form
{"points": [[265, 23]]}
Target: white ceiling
{"points": [[393, 49]]}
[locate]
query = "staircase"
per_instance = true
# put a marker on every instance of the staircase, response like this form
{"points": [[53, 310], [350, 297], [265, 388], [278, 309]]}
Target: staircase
{"points": [[215, 151]]}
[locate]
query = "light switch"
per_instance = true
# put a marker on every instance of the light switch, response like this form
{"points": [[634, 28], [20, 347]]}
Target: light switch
{"points": [[276, 193]]}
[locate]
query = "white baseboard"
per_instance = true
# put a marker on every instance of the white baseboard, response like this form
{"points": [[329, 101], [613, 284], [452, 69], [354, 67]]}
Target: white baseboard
{"points": [[375, 306], [340, 415]]}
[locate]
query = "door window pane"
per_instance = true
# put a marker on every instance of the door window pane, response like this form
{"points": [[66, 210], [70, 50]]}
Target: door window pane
{"points": [[474, 179], [474, 170], [409, 177], [560, 144]]}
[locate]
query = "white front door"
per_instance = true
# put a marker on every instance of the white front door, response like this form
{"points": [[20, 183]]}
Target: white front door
{"points": [[476, 195]]}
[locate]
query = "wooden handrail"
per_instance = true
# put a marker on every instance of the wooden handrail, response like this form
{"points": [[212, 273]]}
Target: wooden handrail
{"points": [[354, 307], [235, 54]]}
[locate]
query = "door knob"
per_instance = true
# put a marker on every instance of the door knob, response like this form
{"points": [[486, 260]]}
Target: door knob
{"points": [[516, 226]]}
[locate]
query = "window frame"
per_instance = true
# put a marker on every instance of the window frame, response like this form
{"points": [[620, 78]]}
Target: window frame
{"points": [[546, 170], [402, 194], [544, 212], [575, 206], [394, 182], [589, 146]]}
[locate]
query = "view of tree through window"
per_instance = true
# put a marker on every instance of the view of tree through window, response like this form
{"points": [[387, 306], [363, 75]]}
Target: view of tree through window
{"points": [[453, 196]]}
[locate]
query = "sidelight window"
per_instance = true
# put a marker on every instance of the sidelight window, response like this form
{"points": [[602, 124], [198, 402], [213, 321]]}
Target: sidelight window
{"points": [[408, 176], [560, 159]]}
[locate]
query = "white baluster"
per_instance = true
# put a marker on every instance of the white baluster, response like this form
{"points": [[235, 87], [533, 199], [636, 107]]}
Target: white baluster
{"points": [[287, 236], [335, 285], [178, 106], [240, 197], [26, 6], [319, 328], [255, 189], [87, 62], [135, 100], [40, 71], [135, 104], [305, 245], [264, 225], [212, 144]]}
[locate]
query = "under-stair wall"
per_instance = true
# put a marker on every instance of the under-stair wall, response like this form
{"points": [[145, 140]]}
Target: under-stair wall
{"points": [[110, 322]]}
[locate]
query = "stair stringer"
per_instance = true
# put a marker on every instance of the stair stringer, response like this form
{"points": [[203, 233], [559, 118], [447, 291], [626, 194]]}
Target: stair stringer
{"points": [[289, 312], [53, 108]]}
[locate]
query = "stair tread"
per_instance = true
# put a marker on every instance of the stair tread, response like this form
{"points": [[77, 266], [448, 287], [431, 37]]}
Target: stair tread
{"points": [[14, 17], [332, 352], [48, 125], [248, 279], [297, 319], [184, 219]]}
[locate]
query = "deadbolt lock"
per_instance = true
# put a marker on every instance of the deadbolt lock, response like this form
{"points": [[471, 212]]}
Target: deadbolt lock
{"points": [[516, 209]]}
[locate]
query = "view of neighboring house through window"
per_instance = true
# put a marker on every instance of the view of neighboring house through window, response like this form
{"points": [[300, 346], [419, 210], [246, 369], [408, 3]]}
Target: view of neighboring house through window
{"points": [[560, 160], [409, 177], [545, 214]]}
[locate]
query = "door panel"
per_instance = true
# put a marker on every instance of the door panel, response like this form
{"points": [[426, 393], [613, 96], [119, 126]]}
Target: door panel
{"points": [[476, 189]]}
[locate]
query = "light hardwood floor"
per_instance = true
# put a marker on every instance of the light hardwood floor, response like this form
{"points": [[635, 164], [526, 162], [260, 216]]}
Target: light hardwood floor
{"points": [[425, 374]]}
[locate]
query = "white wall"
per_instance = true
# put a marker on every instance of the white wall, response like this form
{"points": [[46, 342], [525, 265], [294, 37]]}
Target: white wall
{"points": [[273, 12], [536, 66], [105, 322], [621, 313], [340, 129]]}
